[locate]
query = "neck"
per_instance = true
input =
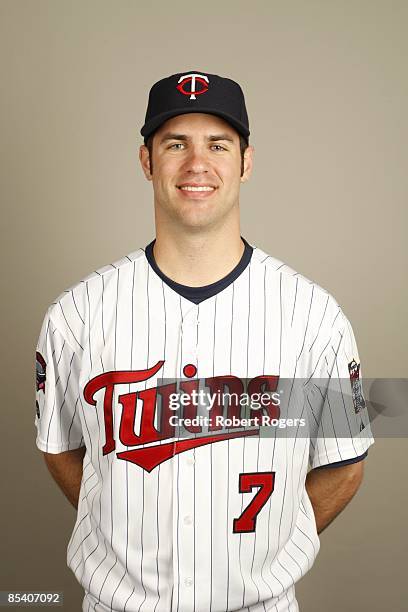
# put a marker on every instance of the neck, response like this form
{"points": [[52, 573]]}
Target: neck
{"points": [[200, 258]]}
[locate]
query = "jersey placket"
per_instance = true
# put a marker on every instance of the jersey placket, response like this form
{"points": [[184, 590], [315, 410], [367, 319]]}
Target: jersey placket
{"points": [[183, 482]]}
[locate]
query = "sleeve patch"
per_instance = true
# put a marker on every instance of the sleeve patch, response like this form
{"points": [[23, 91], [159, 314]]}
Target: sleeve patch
{"points": [[40, 371], [356, 389]]}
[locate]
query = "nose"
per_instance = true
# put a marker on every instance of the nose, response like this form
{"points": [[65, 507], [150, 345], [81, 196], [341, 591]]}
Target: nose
{"points": [[197, 160]]}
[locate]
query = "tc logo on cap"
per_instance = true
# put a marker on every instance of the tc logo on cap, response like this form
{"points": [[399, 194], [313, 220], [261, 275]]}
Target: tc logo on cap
{"points": [[192, 78]]}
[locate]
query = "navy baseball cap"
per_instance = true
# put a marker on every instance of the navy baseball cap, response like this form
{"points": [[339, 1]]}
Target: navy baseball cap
{"points": [[195, 92]]}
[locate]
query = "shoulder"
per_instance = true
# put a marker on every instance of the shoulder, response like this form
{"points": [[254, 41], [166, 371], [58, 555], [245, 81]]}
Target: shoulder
{"points": [[69, 311], [291, 280], [308, 311]]}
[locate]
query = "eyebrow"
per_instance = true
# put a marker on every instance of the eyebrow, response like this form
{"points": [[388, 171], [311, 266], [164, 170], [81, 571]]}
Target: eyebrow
{"points": [[211, 138]]}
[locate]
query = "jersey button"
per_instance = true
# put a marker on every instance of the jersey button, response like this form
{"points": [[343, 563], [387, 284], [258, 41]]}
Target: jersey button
{"points": [[188, 520], [190, 323], [188, 581], [190, 460]]}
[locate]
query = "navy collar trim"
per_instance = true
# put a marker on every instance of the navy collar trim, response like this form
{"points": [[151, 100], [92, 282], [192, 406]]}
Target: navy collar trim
{"points": [[198, 294]]}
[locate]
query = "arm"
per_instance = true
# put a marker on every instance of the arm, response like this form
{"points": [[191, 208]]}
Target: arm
{"points": [[331, 489], [66, 469]]}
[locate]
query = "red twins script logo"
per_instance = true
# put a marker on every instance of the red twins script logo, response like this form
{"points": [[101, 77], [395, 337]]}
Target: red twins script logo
{"points": [[148, 457]]}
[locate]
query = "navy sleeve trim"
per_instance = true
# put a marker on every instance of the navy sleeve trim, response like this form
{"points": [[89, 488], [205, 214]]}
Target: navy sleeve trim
{"points": [[345, 462]]}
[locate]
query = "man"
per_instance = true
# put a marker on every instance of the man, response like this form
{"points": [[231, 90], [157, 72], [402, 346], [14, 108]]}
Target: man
{"points": [[174, 512]]}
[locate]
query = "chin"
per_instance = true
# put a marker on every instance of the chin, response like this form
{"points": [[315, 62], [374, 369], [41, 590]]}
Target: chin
{"points": [[193, 209], [195, 214], [196, 221]]}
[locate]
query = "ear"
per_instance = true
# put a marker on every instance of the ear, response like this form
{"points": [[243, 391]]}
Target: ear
{"points": [[248, 163], [145, 161]]}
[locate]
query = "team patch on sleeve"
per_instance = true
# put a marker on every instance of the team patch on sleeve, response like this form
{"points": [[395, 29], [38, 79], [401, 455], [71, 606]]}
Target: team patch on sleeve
{"points": [[40, 371], [356, 388]]}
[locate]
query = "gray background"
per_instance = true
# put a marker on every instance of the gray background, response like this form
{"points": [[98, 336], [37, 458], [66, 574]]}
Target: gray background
{"points": [[326, 90]]}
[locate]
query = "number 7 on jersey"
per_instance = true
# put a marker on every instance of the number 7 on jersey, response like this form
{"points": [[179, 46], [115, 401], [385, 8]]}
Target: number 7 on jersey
{"points": [[246, 522]]}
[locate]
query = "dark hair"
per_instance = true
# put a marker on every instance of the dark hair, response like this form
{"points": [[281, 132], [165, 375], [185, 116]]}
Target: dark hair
{"points": [[243, 144]]}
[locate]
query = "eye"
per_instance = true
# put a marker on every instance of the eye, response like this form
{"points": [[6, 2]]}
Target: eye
{"points": [[181, 144]]}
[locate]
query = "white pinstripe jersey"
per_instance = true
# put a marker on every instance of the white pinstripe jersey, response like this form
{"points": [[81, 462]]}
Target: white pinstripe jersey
{"points": [[156, 527]]}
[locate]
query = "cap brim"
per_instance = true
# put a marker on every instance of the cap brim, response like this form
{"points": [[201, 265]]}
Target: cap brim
{"points": [[153, 124]]}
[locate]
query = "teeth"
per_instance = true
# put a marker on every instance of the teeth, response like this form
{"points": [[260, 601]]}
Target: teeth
{"points": [[188, 188]]}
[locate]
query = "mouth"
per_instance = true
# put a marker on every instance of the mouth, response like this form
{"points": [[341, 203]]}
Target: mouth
{"points": [[196, 191]]}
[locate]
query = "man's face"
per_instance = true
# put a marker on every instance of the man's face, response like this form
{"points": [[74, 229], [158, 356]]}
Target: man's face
{"points": [[202, 151]]}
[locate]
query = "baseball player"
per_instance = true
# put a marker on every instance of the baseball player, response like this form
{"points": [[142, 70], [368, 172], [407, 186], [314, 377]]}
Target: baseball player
{"points": [[183, 505]]}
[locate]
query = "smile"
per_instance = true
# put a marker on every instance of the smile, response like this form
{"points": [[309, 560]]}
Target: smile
{"points": [[196, 192], [191, 188]]}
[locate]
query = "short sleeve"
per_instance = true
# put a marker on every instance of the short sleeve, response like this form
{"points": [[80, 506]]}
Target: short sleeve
{"points": [[57, 416], [338, 416]]}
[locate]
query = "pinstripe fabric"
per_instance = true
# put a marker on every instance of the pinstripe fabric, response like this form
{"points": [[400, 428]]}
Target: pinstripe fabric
{"points": [[163, 539]]}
